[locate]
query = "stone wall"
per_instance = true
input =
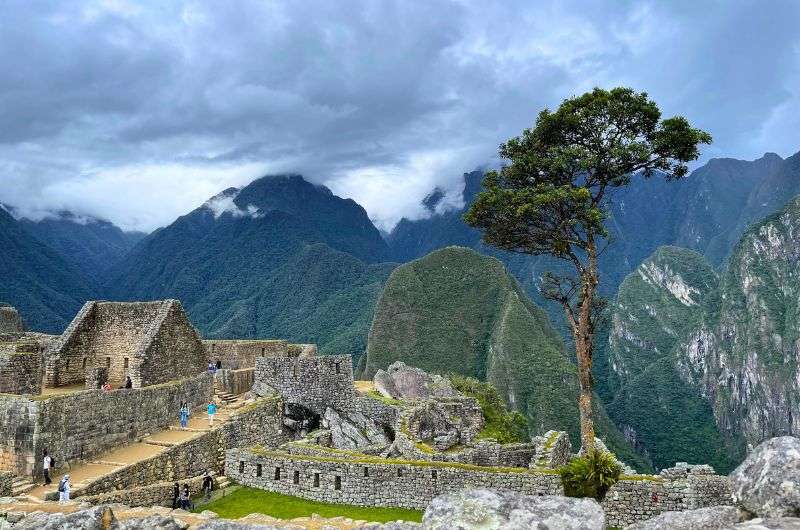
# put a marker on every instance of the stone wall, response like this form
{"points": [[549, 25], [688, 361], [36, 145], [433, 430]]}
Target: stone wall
{"points": [[6, 479], [234, 381], [21, 372], [640, 498], [158, 494], [172, 350], [257, 423], [18, 432], [236, 354], [75, 427], [375, 483], [315, 382], [10, 321], [151, 342]]}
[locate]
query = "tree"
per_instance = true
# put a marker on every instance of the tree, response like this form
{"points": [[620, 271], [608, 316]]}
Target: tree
{"points": [[552, 197]]}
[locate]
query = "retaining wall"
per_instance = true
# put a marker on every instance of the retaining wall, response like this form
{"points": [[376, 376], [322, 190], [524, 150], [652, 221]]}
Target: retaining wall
{"points": [[371, 483], [235, 381], [21, 372], [6, 479], [158, 494]]}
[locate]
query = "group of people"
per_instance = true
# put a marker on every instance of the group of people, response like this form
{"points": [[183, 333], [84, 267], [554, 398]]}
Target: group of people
{"points": [[182, 498], [185, 412], [213, 366], [107, 385]]}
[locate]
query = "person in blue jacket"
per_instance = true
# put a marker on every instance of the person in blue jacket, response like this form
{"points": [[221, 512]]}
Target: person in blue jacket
{"points": [[212, 411]]}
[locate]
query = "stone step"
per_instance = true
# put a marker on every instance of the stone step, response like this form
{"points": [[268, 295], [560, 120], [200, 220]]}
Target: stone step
{"points": [[160, 443], [21, 488]]}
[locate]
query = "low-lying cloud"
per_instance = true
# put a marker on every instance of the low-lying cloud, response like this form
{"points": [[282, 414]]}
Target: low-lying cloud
{"points": [[140, 111]]}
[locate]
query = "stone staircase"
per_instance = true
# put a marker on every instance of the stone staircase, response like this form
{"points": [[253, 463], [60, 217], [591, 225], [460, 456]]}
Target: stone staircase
{"points": [[21, 486]]}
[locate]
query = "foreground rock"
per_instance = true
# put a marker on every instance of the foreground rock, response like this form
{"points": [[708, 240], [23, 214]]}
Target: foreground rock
{"points": [[767, 483], [780, 523], [97, 518], [712, 518], [401, 381], [503, 510]]}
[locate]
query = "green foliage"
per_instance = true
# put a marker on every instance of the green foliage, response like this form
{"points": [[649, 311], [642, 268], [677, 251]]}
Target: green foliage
{"points": [[503, 425], [590, 476], [245, 501]]}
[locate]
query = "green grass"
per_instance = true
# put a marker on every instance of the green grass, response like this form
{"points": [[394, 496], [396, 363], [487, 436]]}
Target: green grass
{"points": [[245, 501]]}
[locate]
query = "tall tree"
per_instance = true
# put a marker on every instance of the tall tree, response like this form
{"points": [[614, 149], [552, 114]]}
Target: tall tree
{"points": [[552, 197]]}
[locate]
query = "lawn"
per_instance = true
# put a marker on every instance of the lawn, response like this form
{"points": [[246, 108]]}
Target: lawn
{"points": [[244, 501]]}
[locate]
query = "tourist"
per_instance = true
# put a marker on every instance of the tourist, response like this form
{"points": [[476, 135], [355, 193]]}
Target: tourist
{"points": [[212, 368], [107, 387], [47, 463], [128, 382], [63, 490], [186, 499], [208, 485], [219, 364], [184, 415], [176, 496], [212, 410]]}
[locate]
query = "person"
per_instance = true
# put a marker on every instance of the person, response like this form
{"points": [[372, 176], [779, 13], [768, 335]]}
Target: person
{"points": [[208, 485], [212, 410], [176, 495], [63, 490], [47, 463], [128, 382], [107, 387], [219, 364], [212, 368], [186, 499], [184, 413]]}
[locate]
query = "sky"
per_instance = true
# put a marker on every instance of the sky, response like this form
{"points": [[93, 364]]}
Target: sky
{"points": [[138, 112]]}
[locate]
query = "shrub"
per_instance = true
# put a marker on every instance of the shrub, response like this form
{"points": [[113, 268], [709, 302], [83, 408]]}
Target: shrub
{"points": [[590, 476], [503, 425]]}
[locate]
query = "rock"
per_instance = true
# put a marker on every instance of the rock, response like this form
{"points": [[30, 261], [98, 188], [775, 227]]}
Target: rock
{"points": [[262, 389], [98, 518], [779, 523], [352, 431], [153, 522], [505, 510], [767, 483], [444, 423], [712, 518], [222, 524], [394, 525], [401, 381]]}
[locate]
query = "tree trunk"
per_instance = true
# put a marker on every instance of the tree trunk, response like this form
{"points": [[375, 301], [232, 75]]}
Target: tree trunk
{"points": [[584, 338]]}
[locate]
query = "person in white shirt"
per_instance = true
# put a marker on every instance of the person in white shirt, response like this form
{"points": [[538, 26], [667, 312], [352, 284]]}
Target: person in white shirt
{"points": [[63, 490], [46, 464]]}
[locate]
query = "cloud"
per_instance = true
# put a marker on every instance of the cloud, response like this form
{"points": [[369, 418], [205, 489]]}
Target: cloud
{"points": [[140, 111]]}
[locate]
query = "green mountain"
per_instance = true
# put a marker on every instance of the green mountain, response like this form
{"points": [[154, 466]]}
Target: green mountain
{"points": [[89, 244], [455, 311], [744, 356], [37, 280], [280, 257], [665, 417]]}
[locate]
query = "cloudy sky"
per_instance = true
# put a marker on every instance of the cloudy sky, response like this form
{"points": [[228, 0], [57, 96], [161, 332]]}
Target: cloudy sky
{"points": [[139, 111]]}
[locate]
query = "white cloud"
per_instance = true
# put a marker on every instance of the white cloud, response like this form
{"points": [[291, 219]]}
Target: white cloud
{"points": [[140, 111]]}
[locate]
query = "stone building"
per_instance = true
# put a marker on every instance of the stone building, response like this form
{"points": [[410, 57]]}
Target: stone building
{"points": [[238, 354], [150, 342], [10, 321]]}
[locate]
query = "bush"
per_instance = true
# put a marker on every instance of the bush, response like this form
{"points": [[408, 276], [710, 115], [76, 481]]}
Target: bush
{"points": [[501, 424], [590, 476]]}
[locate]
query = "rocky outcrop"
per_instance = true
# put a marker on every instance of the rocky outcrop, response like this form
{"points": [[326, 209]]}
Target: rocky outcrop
{"points": [[781, 523], [353, 431], [401, 381], [98, 518], [767, 483], [711, 518], [744, 356], [502, 510]]}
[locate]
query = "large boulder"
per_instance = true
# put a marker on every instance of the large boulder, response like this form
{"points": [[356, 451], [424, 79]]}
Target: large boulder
{"points": [[505, 510], [353, 431], [444, 424], [779, 523], [767, 483], [400, 381], [711, 518], [152, 522], [97, 518]]}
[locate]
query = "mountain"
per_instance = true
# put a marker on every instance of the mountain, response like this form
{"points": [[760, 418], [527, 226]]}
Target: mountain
{"points": [[744, 356], [280, 257], [664, 417], [90, 244], [45, 288], [455, 311], [707, 212]]}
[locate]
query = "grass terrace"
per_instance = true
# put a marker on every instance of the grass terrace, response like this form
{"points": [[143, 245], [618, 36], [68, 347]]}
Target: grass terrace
{"points": [[245, 501]]}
